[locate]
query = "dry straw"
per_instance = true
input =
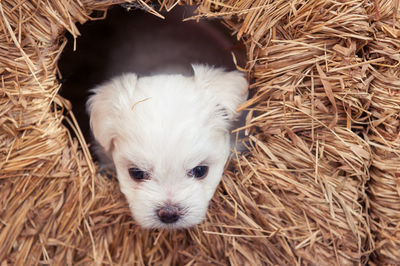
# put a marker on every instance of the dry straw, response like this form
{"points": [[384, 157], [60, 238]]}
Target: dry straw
{"points": [[320, 184], [384, 139]]}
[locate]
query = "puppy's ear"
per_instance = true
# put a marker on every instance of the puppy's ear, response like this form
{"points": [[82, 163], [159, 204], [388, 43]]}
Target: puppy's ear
{"points": [[106, 105], [229, 88]]}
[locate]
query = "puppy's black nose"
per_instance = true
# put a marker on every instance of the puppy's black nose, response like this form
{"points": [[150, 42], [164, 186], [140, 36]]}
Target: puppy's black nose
{"points": [[168, 214]]}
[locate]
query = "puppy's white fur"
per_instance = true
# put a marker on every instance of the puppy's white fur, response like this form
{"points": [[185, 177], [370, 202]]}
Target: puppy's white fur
{"points": [[166, 125]]}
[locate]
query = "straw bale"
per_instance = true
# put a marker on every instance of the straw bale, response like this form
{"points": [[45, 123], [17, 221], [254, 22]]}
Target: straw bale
{"points": [[384, 138], [332, 38], [309, 191], [40, 180], [385, 204], [319, 184]]}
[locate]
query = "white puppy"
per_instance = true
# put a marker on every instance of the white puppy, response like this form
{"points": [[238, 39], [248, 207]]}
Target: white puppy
{"points": [[168, 137]]}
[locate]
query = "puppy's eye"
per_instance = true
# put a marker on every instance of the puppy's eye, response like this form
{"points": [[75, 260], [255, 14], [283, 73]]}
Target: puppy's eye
{"points": [[199, 171], [137, 174]]}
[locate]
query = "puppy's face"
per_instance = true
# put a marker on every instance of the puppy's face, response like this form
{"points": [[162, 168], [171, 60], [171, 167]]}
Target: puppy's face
{"points": [[168, 136]]}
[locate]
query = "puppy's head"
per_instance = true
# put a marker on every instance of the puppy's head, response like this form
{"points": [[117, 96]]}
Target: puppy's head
{"points": [[168, 136]]}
